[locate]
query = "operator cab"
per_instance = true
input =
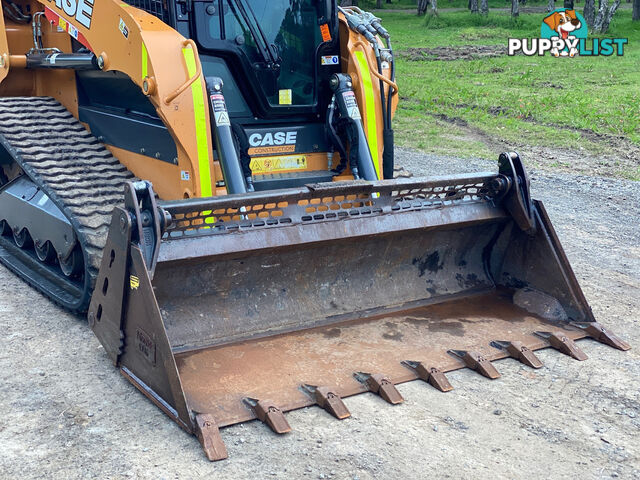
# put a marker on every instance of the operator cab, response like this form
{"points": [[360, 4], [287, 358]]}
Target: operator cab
{"points": [[275, 58], [269, 53]]}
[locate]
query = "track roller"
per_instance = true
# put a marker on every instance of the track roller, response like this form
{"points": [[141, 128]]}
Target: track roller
{"points": [[22, 238], [73, 265], [45, 252]]}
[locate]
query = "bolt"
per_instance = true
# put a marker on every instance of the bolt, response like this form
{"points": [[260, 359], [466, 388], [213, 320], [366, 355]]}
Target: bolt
{"points": [[101, 62], [123, 223], [142, 150], [157, 155]]}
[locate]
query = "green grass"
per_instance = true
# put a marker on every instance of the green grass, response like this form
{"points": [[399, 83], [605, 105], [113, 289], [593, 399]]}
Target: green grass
{"points": [[542, 101], [411, 4], [631, 174]]}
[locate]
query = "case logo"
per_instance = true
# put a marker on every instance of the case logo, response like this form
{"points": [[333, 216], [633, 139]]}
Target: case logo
{"points": [[273, 139], [82, 10]]}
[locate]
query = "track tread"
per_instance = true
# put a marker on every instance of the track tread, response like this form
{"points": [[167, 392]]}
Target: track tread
{"points": [[75, 170]]}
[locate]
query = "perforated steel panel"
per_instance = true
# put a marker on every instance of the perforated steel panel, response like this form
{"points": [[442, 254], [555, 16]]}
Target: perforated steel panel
{"points": [[321, 203]]}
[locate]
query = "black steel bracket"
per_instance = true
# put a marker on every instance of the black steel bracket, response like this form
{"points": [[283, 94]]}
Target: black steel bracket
{"points": [[140, 203], [518, 200]]}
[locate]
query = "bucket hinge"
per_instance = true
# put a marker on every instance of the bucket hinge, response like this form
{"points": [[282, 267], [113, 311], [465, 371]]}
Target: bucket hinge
{"points": [[138, 223], [518, 199], [148, 221]]}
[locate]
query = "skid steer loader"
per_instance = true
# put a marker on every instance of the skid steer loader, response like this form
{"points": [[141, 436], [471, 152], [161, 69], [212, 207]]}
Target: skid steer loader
{"points": [[211, 182]]}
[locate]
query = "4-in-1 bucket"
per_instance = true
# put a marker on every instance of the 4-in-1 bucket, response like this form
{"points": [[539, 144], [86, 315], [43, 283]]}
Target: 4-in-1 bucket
{"points": [[228, 309]]}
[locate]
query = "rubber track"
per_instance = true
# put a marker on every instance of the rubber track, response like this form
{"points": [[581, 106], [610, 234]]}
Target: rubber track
{"points": [[72, 167]]}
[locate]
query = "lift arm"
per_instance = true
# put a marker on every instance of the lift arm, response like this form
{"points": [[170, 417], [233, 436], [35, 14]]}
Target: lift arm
{"points": [[163, 63]]}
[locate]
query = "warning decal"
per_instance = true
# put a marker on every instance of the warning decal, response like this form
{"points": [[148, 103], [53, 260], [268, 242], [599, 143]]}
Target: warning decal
{"points": [[123, 28], [326, 33], [352, 105], [278, 164], [62, 25], [329, 60], [220, 111], [222, 119], [285, 97]]}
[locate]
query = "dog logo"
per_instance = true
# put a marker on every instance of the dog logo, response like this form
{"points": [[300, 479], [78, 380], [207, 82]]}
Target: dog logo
{"points": [[566, 25], [563, 33]]}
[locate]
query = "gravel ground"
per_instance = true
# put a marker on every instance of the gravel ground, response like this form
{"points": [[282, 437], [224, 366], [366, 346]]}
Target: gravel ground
{"points": [[69, 414]]}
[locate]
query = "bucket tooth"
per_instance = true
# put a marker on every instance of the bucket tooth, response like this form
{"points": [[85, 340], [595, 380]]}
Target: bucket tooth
{"points": [[270, 414], [326, 398], [519, 351], [434, 376], [209, 437], [477, 362], [603, 335], [380, 384], [563, 344]]}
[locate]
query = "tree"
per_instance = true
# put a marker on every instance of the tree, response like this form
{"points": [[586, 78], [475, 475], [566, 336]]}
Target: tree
{"points": [[484, 7], [515, 8], [434, 7], [473, 6], [636, 11], [551, 6], [568, 4], [422, 6], [589, 11], [604, 16]]}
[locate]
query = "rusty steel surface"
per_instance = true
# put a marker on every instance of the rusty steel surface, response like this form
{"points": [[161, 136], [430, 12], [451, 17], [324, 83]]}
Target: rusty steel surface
{"points": [[217, 380], [206, 302], [326, 202], [237, 309]]}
